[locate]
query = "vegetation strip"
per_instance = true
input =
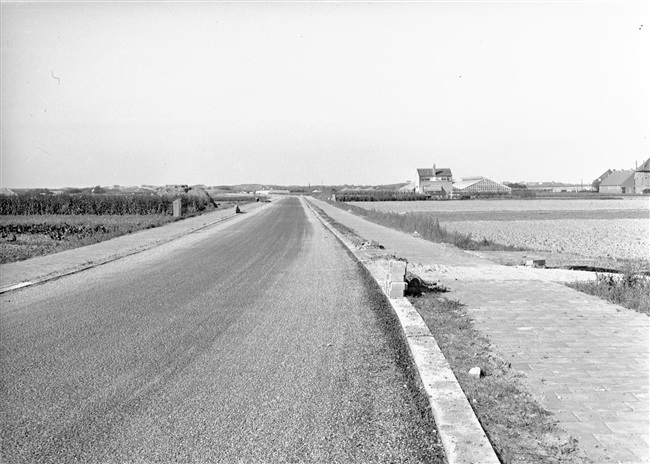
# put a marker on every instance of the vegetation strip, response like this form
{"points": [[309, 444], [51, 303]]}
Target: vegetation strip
{"points": [[426, 226], [25, 237], [98, 204], [630, 289], [463, 438]]}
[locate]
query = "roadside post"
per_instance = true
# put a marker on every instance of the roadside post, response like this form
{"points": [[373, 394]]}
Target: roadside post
{"points": [[177, 207]]}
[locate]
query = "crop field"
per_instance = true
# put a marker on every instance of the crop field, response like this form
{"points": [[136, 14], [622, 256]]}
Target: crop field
{"points": [[35, 225], [612, 228], [26, 236]]}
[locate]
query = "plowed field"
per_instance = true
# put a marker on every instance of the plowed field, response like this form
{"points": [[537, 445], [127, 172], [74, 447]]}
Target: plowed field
{"points": [[615, 229]]}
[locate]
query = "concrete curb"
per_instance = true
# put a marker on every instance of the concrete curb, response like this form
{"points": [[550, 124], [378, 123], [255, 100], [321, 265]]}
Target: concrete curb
{"points": [[462, 436], [115, 257]]}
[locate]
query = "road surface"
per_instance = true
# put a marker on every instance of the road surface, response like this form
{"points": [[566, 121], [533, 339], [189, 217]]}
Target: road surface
{"points": [[257, 341]]}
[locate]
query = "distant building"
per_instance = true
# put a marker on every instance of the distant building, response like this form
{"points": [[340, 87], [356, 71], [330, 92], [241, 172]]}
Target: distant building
{"points": [[410, 187], [272, 192], [642, 178], [618, 182], [479, 184], [435, 181], [571, 188], [137, 191], [596, 183], [7, 192]]}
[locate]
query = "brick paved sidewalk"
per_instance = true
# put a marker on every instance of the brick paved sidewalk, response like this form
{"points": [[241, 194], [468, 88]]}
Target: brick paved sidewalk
{"points": [[51, 266], [585, 360]]}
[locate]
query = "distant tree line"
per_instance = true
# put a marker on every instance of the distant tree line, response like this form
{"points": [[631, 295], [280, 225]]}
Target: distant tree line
{"points": [[516, 186]]}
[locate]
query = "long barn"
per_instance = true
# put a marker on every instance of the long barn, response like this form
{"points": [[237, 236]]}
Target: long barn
{"points": [[479, 185], [618, 182]]}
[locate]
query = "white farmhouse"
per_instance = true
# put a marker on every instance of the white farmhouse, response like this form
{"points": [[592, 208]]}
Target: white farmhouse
{"points": [[434, 181]]}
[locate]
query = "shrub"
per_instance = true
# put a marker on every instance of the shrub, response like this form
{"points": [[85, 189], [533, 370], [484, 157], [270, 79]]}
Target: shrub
{"points": [[380, 195], [630, 289]]}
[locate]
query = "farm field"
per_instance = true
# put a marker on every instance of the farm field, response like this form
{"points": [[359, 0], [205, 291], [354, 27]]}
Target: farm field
{"points": [[630, 204], [612, 229], [36, 225], [24, 237]]}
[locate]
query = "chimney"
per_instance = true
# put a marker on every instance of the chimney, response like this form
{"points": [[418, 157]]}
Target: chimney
{"points": [[434, 169]]}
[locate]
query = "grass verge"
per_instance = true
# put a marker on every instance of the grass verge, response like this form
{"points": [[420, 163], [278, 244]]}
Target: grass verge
{"points": [[519, 428], [427, 226], [630, 289]]}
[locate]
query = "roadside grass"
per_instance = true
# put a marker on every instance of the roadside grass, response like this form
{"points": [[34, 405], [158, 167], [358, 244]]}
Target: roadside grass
{"points": [[427, 226], [519, 428], [24, 237], [629, 289]]}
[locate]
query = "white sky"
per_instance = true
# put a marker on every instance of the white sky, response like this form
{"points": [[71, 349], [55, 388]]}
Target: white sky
{"points": [[333, 93]]}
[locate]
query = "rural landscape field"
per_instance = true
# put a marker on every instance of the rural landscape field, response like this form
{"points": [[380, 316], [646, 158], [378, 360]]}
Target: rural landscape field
{"points": [[36, 223], [617, 229]]}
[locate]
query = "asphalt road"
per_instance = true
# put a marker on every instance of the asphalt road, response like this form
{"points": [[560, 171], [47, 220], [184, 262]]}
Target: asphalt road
{"points": [[257, 341]]}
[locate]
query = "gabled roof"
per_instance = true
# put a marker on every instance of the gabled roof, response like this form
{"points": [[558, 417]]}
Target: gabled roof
{"points": [[603, 176], [440, 172], [408, 187], [645, 166], [467, 181], [617, 178], [6, 191]]}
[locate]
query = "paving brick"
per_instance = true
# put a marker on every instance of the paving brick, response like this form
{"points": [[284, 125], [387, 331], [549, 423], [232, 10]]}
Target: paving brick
{"points": [[633, 416], [566, 416], [628, 427], [597, 416], [623, 455], [623, 443], [520, 366], [579, 428], [639, 406], [590, 445], [617, 406]]}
